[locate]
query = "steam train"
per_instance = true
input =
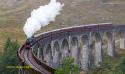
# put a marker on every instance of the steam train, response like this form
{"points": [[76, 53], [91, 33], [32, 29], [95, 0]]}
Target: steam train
{"points": [[29, 42]]}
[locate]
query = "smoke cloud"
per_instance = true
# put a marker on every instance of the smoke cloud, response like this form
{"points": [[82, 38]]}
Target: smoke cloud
{"points": [[41, 17]]}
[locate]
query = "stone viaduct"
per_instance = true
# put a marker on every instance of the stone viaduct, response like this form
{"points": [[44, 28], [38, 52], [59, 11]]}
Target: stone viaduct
{"points": [[86, 44]]}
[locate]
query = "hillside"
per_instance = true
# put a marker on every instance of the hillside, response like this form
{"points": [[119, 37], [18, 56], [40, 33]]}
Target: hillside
{"points": [[13, 14]]}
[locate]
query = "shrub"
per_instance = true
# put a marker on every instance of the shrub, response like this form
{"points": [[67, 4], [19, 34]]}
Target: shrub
{"points": [[120, 69], [105, 68], [67, 67], [9, 57]]}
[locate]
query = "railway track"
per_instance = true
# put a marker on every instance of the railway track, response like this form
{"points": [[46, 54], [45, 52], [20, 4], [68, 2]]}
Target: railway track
{"points": [[27, 57]]}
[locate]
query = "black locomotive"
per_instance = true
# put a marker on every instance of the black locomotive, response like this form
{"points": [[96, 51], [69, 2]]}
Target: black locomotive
{"points": [[30, 42]]}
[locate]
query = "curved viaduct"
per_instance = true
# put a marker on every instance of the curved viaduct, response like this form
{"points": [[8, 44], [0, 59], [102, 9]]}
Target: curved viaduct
{"points": [[85, 43]]}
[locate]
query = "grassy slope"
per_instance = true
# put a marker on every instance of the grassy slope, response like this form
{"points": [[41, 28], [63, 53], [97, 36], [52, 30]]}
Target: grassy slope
{"points": [[75, 12]]}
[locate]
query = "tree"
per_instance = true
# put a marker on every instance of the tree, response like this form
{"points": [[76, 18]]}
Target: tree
{"points": [[67, 67], [9, 57]]}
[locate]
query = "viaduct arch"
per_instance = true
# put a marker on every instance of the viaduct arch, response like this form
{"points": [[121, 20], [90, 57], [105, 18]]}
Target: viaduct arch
{"points": [[84, 43]]}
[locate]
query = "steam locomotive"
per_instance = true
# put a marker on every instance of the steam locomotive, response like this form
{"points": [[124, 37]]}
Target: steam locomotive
{"points": [[30, 42]]}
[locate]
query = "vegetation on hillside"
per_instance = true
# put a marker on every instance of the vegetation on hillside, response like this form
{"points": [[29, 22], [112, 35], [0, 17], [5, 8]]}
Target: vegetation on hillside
{"points": [[120, 69], [67, 67], [76, 12], [110, 66], [8, 59]]}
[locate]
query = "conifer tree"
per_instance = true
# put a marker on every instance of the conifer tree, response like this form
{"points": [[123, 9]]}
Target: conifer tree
{"points": [[9, 57]]}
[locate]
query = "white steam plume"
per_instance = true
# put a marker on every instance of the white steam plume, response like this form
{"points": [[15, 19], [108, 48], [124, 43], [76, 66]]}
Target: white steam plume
{"points": [[41, 17]]}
